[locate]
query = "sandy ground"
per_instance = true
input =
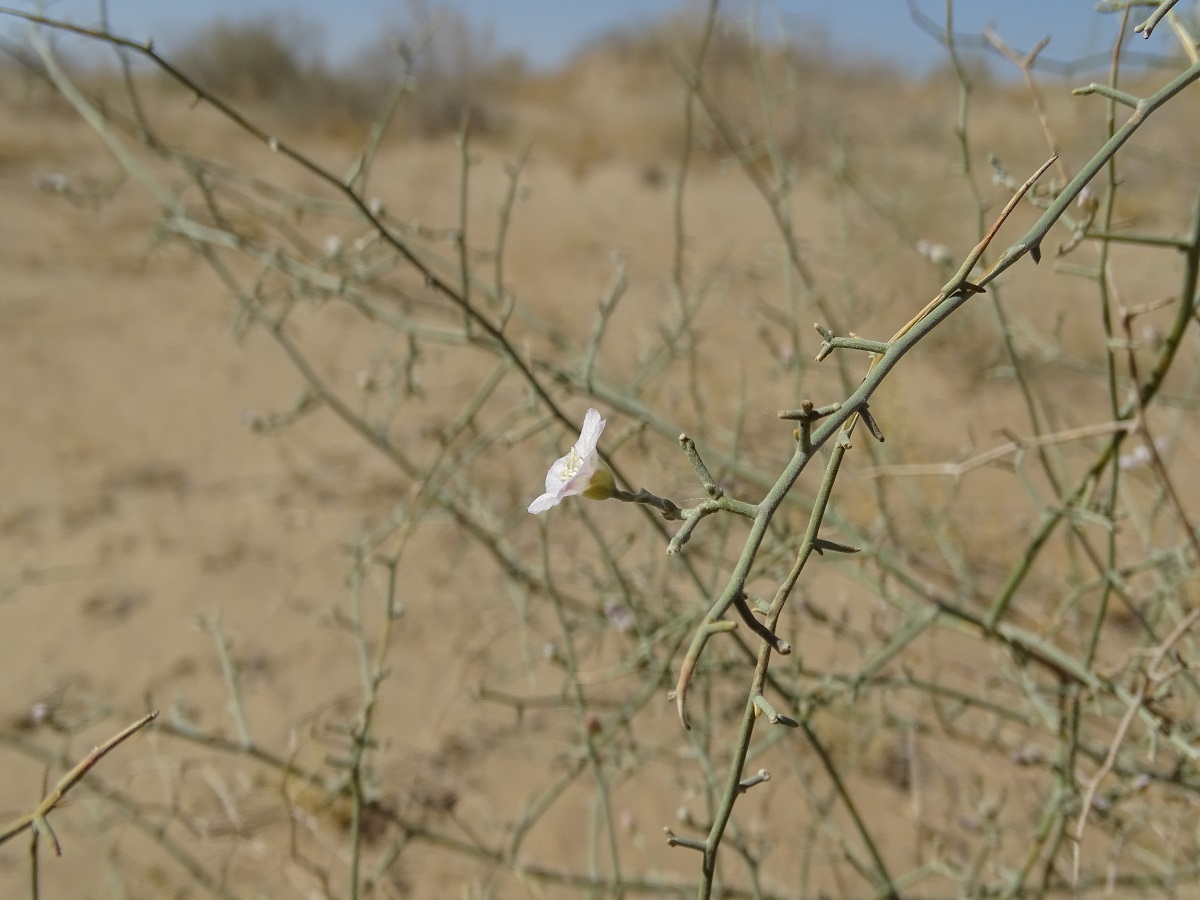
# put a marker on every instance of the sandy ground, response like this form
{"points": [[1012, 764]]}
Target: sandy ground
{"points": [[143, 522]]}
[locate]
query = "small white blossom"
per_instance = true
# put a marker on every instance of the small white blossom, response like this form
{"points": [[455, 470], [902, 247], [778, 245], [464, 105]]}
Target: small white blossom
{"points": [[53, 183], [1087, 201], [620, 618], [1140, 455], [581, 471], [938, 254]]}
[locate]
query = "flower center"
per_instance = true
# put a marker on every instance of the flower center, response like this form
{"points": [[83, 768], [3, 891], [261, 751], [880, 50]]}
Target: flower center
{"points": [[572, 464]]}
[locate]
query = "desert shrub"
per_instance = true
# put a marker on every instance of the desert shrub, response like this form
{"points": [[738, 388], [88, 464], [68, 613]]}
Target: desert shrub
{"points": [[445, 68], [452, 68], [269, 58]]}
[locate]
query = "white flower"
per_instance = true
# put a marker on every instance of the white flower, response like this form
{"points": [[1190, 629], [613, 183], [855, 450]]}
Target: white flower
{"points": [[938, 254], [1140, 455], [1087, 200], [620, 618], [579, 472]]}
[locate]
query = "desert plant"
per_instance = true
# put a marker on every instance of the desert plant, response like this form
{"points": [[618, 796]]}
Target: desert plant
{"points": [[880, 688]]}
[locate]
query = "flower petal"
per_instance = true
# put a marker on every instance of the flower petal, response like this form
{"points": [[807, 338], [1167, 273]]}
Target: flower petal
{"points": [[544, 502], [593, 425]]}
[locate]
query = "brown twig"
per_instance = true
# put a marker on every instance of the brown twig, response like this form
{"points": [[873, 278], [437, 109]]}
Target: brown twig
{"points": [[1150, 678], [37, 819]]}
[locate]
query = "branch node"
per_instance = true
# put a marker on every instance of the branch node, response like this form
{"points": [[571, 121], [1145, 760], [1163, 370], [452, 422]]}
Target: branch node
{"points": [[674, 840], [808, 411], [864, 413], [821, 545], [780, 646], [706, 630], [762, 776], [763, 707], [831, 342], [698, 466]]}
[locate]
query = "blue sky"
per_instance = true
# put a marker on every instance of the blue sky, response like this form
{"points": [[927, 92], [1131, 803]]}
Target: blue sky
{"points": [[548, 31]]}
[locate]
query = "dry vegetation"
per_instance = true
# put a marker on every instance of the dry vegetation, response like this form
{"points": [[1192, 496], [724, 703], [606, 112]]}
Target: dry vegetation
{"points": [[379, 676]]}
